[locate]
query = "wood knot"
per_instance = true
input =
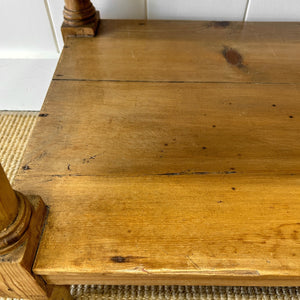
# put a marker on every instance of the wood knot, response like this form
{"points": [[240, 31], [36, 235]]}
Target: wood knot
{"points": [[232, 56], [119, 259], [221, 24]]}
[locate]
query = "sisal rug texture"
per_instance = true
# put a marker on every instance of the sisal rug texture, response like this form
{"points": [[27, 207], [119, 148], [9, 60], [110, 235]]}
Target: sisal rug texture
{"points": [[15, 129]]}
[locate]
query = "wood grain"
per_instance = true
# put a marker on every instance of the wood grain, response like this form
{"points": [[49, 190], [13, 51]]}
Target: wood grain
{"points": [[61, 293], [140, 129], [185, 51], [16, 277], [131, 187], [79, 12], [85, 30], [169, 153], [192, 229], [8, 202], [21, 221]]}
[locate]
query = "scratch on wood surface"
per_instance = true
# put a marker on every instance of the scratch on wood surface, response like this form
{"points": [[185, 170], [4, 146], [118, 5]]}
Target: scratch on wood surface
{"points": [[134, 270], [142, 269], [35, 158], [26, 167], [233, 273], [196, 173], [132, 55], [87, 160], [273, 52], [245, 273], [193, 263]]}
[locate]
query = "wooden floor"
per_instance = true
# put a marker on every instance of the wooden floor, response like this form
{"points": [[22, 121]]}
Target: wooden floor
{"points": [[169, 153]]}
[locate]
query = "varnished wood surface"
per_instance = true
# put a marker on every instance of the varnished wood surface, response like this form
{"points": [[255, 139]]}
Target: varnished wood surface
{"points": [[151, 181], [140, 129], [185, 51], [79, 13], [61, 292], [8, 202], [16, 277], [191, 229]]}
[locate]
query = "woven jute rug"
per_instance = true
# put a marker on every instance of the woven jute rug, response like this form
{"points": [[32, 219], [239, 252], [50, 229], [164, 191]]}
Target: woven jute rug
{"points": [[15, 129]]}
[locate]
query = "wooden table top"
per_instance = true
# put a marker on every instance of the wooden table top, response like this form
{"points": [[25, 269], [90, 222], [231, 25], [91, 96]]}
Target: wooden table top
{"points": [[169, 153]]}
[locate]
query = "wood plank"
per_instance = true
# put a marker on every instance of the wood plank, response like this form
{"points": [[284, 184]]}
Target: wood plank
{"points": [[134, 196], [189, 229], [185, 51], [137, 129], [169, 153]]}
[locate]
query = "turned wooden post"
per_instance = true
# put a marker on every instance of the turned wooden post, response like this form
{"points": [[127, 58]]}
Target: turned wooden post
{"points": [[8, 202], [21, 223], [80, 18], [15, 215]]}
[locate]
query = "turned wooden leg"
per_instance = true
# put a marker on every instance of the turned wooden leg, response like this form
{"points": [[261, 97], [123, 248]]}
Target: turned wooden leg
{"points": [[80, 18], [21, 222]]}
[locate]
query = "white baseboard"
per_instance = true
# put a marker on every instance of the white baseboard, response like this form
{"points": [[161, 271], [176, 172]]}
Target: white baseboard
{"points": [[24, 82]]}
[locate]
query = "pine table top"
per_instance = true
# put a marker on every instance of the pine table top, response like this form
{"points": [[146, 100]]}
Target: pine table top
{"points": [[168, 152]]}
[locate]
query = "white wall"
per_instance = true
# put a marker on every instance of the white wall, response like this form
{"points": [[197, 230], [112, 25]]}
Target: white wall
{"points": [[28, 53], [273, 10], [226, 10], [25, 30], [24, 82], [31, 38], [109, 9]]}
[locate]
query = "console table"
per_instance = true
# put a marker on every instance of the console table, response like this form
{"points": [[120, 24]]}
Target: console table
{"points": [[166, 152]]}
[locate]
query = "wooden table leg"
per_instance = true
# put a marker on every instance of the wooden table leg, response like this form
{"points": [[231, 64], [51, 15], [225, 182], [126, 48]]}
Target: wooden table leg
{"points": [[60, 292], [80, 19], [21, 222]]}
